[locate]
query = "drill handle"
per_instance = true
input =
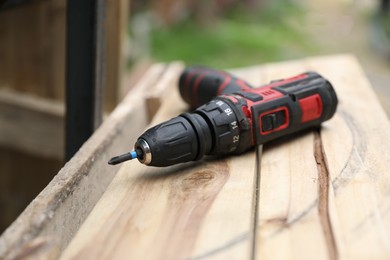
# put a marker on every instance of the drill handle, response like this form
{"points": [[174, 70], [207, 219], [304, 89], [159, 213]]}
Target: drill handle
{"points": [[199, 85]]}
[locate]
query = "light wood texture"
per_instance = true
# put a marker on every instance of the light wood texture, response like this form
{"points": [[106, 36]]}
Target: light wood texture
{"points": [[288, 185], [339, 209], [60, 209], [357, 149], [321, 194], [179, 209]]}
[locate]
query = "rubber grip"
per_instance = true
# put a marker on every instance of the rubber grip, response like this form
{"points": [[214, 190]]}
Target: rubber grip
{"points": [[199, 85]]}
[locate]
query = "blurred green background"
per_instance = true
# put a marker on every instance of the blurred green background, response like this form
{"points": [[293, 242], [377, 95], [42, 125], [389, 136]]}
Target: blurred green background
{"points": [[238, 38], [222, 33], [232, 33], [237, 33]]}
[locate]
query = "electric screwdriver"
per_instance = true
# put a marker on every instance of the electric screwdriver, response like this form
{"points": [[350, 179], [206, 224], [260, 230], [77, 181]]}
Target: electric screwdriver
{"points": [[232, 116]]}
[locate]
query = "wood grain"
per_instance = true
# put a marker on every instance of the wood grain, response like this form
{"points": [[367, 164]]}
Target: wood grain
{"points": [[116, 22], [357, 152], [350, 207], [180, 210], [321, 194], [319, 191], [60, 209], [32, 49], [289, 225]]}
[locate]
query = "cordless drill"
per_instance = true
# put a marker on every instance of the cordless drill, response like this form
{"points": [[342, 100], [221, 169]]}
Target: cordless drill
{"points": [[233, 116]]}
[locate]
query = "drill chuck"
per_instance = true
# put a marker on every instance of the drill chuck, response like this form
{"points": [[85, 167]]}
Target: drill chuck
{"points": [[213, 129], [180, 139]]}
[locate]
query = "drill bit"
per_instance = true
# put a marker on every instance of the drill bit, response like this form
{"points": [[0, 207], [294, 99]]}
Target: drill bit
{"points": [[124, 157]]}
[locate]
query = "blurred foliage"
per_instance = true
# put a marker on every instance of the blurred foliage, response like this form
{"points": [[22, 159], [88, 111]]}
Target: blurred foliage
{"points": [[380, 36], [239, 37], [385, 23]]}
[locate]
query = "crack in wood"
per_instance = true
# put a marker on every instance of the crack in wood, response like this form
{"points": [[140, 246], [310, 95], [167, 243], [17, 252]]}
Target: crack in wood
{"points": [[233, 242], [323, 195], [353, 164], [256, 200]]}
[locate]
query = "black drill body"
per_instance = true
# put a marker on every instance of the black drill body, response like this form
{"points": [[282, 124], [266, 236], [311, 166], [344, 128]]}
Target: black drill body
{"points": [[234, 117]]}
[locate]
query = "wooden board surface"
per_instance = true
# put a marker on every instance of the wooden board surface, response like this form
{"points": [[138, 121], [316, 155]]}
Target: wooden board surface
{"points": [[175, 208], [323, 194], [59, 210], [356, 145]]}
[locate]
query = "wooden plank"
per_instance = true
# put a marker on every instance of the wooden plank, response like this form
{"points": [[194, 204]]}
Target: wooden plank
{"points": [[32, 124], [194, 210], [288, 185], [32, 57], [323, 194], [115, 59], [339, 208], [22, 177], [135, 74], [357, 150], [299, 212], [157, 93], [55, 19], [60, 209]]}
